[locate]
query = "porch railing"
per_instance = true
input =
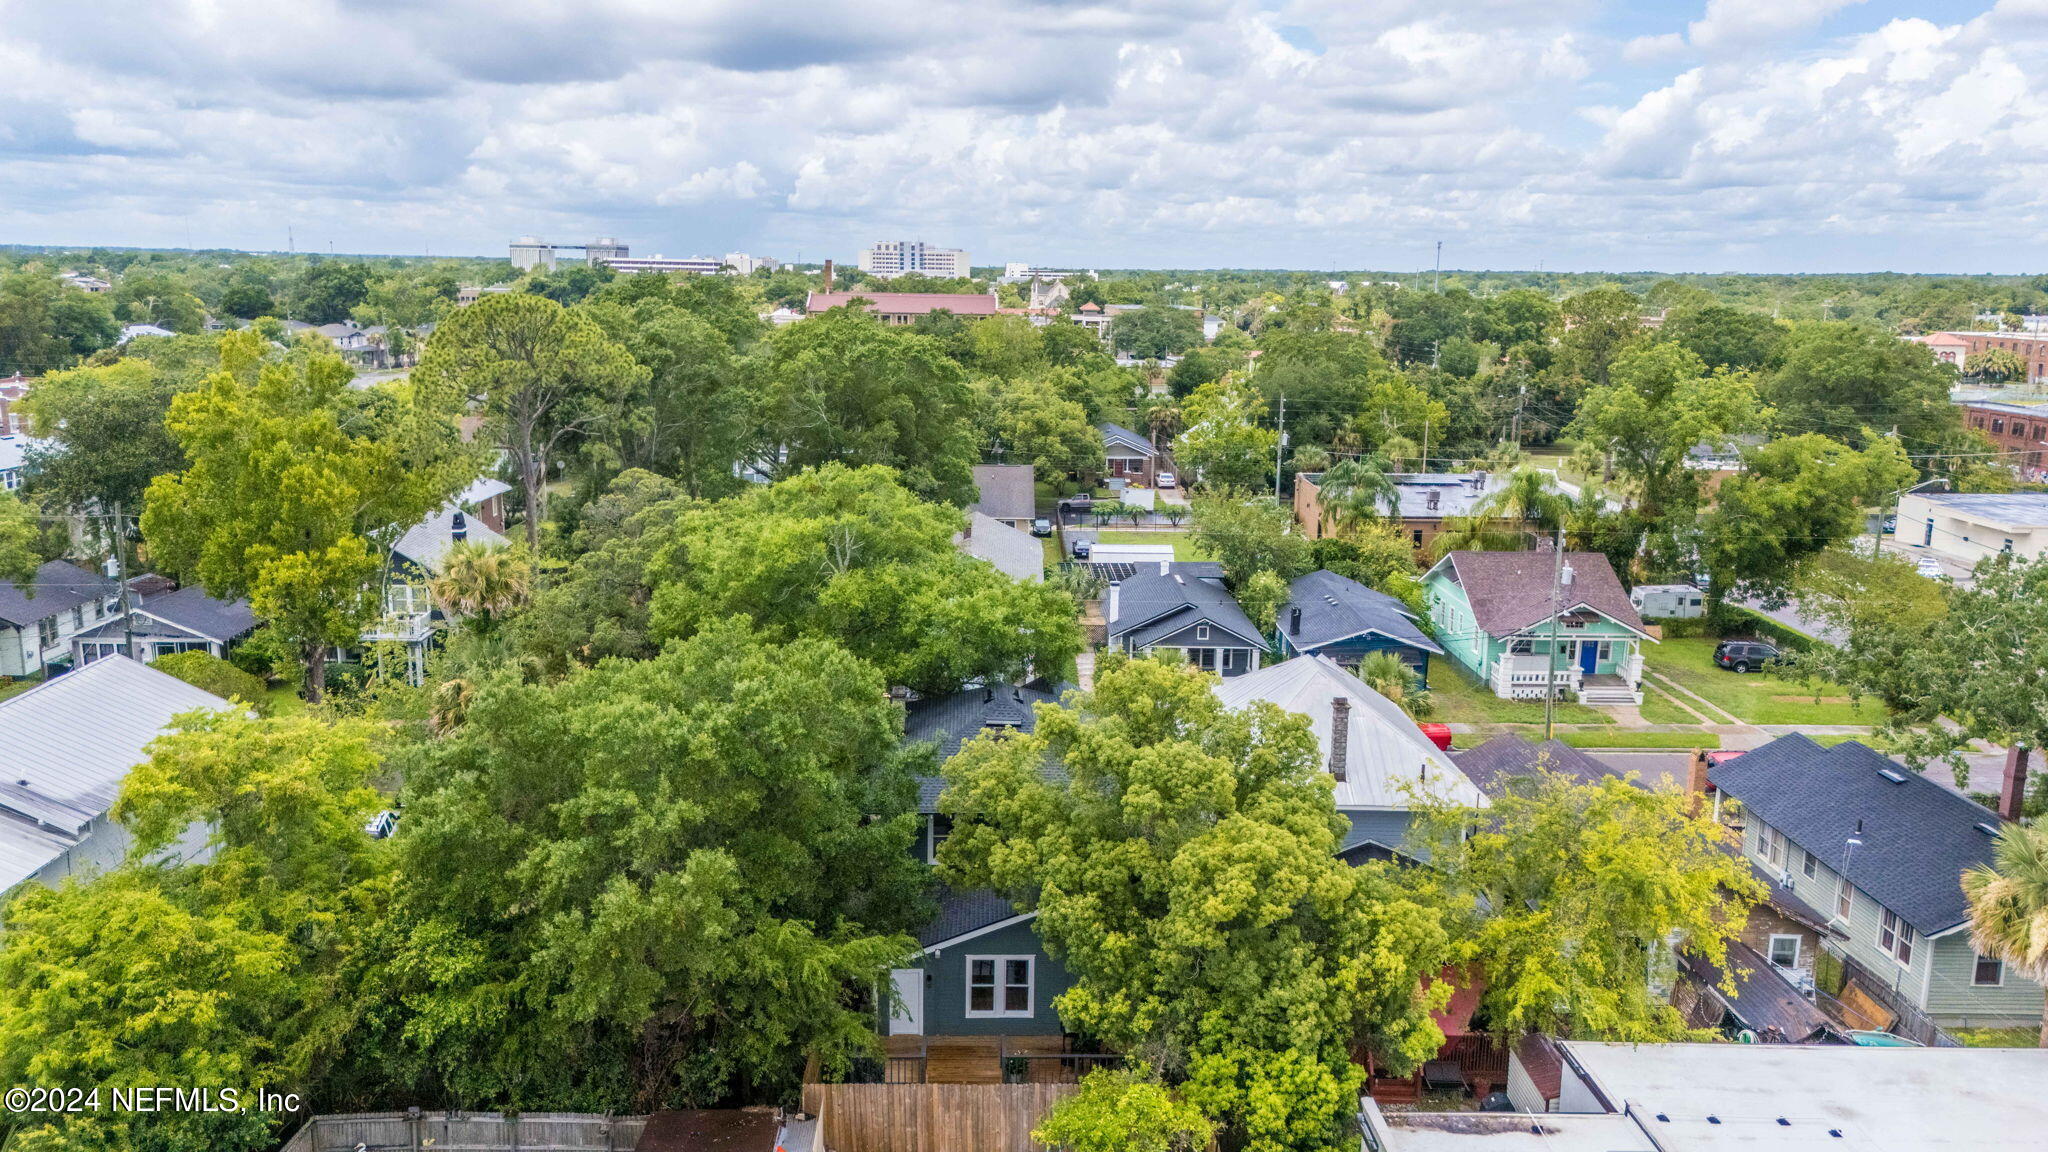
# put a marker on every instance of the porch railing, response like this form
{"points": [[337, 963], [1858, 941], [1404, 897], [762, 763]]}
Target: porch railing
{"points": [[1526, 675]]}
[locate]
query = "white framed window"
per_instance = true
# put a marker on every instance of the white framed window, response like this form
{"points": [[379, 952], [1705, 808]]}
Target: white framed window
{"points": [[1989, 972], [1000, 985], [1784, 950], [1770, 845], [1606, 651], [1809, 866], [1203, 658], [937, 828], [1845, 900], [1521, 646], [1201, 631], [1895, 938]]}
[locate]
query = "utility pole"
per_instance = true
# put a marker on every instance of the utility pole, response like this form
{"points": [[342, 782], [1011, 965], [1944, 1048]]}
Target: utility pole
{"points": [[1280, 448], [1556, 592], [1438, 285], [121, 574]]}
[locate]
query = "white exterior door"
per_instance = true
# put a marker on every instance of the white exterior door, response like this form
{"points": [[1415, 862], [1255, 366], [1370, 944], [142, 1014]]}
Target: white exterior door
{"points": [[906, 1016]]}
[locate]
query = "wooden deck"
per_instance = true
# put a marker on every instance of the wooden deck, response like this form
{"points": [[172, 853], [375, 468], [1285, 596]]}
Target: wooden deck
{"points": [[976, 1059]]}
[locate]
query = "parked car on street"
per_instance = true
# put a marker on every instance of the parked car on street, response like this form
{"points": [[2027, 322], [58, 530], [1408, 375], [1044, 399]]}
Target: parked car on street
{"points": [[1078, 502], [1168, 480], [1746, 655], [1041, 527]]}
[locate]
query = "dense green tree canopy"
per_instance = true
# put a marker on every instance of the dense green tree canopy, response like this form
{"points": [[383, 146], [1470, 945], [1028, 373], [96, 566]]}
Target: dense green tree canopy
{"points": [[661, 882], [1567, 896], [295, 487], [851, 555], [1795, 498], [1853, 382], [103, 433], [1184, 871], [844, 387]]}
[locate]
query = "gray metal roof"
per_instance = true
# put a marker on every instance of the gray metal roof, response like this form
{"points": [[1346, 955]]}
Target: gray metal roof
{"points": [[1335, 608], [58, 587], [2019, 509], [1006, 491], [1152, 607], [1918, 838], [66, 744]]}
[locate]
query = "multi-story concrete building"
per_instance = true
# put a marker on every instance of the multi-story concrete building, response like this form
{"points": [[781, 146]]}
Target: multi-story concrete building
{"points": [[888, 258]]}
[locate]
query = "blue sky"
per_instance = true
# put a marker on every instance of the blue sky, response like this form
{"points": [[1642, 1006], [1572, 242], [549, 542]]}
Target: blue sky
{"points": [[1705, 135]]}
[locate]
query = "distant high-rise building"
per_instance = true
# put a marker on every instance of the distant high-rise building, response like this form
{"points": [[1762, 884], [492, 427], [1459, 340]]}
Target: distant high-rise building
{"points": [[530, 252], [888, 258]]}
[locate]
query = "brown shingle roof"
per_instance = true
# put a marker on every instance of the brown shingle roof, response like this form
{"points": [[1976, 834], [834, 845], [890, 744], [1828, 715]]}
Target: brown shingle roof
{"points": [[1509, 591], [911, 303]]}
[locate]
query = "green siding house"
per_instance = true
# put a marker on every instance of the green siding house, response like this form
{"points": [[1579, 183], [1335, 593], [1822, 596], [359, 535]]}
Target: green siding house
{"points": [[1525, 626], [1880, 851]]}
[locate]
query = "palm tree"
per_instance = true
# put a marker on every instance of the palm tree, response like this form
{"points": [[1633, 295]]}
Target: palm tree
{"points": [[1164, 422], [483, 582], [1390, 676], [1399, 451], [2009, 903], [1359, 489], [1528, 497]]}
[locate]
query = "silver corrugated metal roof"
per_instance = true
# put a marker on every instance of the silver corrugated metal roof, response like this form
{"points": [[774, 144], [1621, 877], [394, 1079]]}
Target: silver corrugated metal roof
{"points": [[26, 850], [66, 745], [428, 541]]}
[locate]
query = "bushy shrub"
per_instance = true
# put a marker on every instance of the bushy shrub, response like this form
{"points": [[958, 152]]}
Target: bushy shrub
{"points": [[210, 673]]}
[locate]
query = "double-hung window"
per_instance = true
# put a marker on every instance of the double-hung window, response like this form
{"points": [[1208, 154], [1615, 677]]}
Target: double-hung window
{"points": [[1845, 900], [1808, 866], [1895, 938], [1989, 972], [1771, 843], [999, 985], [1785, 951]]}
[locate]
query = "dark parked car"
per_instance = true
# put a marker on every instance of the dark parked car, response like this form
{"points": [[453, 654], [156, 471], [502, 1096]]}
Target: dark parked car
{"points": [[1745, 655], [1041, 527], [1082, 548]]}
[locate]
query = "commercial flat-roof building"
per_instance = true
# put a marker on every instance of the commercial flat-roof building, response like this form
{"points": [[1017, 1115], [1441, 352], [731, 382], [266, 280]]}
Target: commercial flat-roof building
{"points": [[1968, 526], [1754, 1097]]}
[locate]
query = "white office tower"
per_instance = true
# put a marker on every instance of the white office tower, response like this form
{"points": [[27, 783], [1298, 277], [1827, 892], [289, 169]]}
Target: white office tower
{"points": [[887, 258]]}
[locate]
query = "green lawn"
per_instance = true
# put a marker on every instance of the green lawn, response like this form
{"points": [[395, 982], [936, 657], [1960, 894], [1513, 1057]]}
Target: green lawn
{"points": [[1184, 547], [1658, 708], [284, 700], [1759, 697], [1625, 738], [1461, 699], [17, 688]]}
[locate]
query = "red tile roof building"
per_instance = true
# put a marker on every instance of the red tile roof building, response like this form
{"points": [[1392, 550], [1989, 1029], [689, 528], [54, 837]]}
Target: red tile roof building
{"points": [[905, 307]]}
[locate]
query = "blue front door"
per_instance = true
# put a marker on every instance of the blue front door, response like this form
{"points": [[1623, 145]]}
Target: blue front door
{"points": [[1589, 656]]}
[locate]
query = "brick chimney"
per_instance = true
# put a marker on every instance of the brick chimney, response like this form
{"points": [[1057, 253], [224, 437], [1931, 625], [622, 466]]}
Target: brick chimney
{"points": [[1340, 735], [828, 276], [2012, 792], [1294, 621], [1696, 780]]}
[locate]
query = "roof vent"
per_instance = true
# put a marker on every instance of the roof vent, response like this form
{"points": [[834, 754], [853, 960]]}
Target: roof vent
{"points": [[1986, 828], [1892, 775]]}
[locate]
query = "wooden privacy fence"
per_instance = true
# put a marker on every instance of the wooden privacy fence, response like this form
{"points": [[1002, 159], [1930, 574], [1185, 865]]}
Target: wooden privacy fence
{"points": [[931, 1117], [468, 1132]]}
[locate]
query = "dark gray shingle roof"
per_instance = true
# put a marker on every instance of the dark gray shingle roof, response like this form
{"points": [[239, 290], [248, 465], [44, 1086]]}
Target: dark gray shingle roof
{"points": [[1150, 608], [1118, 436], [192, 609], [961, 912], [1509, 591], [1335, 608], [1918, 837], [57, 587], [1492, 764], [1006, 491]]}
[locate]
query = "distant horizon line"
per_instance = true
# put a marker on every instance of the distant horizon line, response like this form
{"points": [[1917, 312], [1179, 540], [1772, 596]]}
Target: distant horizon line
{"points": [[1328, 273]]}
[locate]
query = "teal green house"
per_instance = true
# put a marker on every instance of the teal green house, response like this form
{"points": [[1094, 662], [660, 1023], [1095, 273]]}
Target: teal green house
{"points": [[1524, 626]]}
